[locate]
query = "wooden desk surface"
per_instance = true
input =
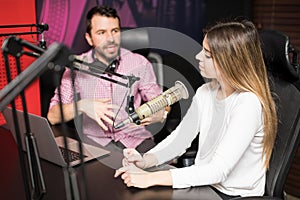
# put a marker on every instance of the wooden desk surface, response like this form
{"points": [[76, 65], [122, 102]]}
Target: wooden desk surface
{"points": [[100, 183]]}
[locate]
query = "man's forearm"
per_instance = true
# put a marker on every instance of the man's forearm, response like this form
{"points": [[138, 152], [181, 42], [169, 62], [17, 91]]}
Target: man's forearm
{"points": [[54, 114]]}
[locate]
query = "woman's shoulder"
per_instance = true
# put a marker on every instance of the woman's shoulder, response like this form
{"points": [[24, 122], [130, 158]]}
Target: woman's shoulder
{"points": [[206, 87], [248, 95], [248, 98], [205, 91]]}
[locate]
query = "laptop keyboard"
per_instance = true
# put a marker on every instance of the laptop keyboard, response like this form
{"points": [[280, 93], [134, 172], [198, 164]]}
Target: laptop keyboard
{"points": [[73, 156]]}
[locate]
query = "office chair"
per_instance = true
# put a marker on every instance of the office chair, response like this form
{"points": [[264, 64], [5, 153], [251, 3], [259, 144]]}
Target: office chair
{"points": [[137, 40], [283, 73]]}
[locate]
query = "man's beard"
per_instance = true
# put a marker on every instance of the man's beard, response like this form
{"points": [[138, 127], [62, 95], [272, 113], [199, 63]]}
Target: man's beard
{"points": [[109, 59]]}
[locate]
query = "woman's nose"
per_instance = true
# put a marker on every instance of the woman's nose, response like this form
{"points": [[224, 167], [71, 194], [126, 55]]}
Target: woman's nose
{"points": [[198, 56]]}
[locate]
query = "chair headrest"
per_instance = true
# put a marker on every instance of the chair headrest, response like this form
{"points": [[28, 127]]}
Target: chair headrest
{"points": [[280, 57], [136, 40]]}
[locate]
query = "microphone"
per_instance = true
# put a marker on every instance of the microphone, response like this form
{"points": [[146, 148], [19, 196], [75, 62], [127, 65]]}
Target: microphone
{"points": [[167, 98]]}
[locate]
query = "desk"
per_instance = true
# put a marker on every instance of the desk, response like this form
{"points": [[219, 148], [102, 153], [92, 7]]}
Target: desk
{"points": [[100, 182]]}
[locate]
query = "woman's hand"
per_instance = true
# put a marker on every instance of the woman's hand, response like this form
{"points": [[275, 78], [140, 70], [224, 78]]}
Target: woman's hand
{"points": [[132, 157], [134, 176]]}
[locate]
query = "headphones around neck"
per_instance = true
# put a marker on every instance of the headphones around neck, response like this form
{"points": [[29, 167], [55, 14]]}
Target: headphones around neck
{"points": [[113, 65]]}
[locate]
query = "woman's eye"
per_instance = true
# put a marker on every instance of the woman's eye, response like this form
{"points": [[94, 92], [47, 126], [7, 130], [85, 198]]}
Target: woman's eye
{"points": [[207, 56]]}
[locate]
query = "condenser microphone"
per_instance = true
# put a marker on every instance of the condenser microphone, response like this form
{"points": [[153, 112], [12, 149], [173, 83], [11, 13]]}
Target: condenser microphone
{"points": [[167, 98]]}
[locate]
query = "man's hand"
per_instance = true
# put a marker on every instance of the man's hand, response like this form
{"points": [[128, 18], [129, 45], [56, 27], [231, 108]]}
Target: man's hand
{"points": [[156, 117], [98, 110]]}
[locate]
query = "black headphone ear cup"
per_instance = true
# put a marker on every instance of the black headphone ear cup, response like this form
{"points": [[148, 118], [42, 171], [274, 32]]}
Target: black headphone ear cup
{"points": [[112, 66]]}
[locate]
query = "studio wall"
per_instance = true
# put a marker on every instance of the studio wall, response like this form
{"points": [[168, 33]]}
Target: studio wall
{"points": [[18, 12]]}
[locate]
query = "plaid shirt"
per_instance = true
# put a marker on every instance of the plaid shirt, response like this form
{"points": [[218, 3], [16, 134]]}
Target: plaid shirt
{"points": [[92, 87]]}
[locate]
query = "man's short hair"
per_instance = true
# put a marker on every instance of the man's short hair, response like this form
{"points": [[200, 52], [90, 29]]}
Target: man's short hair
{"points": [[102, 11]]}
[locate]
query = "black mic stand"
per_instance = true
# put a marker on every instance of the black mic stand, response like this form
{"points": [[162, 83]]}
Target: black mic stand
{"points": [[130, 98], [40, 28], [57, 55], [18, 137], [15, 87], [98, 68]]}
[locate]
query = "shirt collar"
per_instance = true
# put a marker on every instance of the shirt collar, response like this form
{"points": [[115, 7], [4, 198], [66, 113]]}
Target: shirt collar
{"points": [[112, 66]]}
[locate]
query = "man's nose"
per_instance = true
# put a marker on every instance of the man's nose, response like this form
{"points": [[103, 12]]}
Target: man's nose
{"points": [[110, 37]]}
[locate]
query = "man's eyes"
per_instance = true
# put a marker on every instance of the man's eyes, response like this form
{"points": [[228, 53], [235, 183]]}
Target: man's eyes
{"points": [[100, 32], [103, 32], [116, 31]]}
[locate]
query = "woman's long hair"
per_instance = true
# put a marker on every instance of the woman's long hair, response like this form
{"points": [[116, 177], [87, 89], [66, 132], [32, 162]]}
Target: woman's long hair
{"points": [[235, 47]]}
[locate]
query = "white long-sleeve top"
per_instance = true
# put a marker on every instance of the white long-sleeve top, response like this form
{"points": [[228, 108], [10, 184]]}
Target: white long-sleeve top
{"points": [[230, 148]]}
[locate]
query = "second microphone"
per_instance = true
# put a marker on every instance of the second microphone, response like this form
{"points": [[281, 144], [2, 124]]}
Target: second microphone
{"points": [[167, 98]]}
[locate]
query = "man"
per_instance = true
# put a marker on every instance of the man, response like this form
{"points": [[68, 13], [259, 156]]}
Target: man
{"points": [[99, 97]]}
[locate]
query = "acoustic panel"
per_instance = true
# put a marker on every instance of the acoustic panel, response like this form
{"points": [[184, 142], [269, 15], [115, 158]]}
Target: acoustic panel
{"points": [[19, 12]]}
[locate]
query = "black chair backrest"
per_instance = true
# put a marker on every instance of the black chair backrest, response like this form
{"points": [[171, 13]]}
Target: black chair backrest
{"points": [[136, 40], [280, 56], [282, 73]]}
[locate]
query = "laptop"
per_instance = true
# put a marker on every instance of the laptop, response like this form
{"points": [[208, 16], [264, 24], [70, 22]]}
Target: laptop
{"points": [[49, 147]]}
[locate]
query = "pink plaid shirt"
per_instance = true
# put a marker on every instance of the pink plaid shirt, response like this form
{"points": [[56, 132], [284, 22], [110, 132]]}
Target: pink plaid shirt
{"points": [[92, 87]]}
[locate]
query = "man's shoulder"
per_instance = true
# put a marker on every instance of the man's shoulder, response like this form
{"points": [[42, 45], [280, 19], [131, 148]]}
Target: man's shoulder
{"points": [[85, 55], [127, 54]]}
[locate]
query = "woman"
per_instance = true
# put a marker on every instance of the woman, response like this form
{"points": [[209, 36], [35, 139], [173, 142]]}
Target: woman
{"points": [[234, 114]]}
